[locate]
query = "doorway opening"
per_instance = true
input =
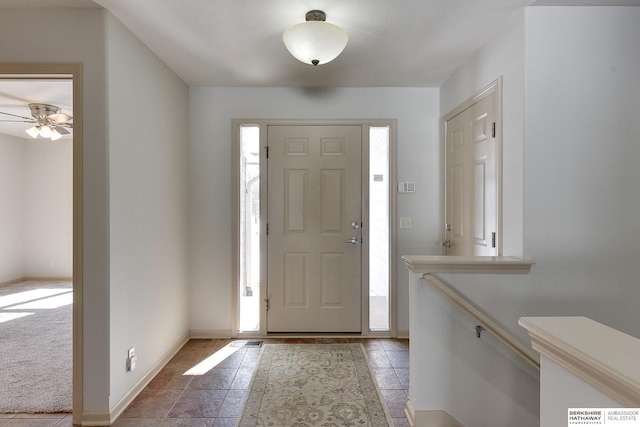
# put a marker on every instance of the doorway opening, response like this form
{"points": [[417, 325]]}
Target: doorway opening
{"points": [[378, 248], [58, 262]]}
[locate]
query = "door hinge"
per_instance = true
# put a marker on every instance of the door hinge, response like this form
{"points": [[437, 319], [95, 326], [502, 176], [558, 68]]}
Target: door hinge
{"points": [[267, 229], [267, 150], [266, 300], [493, 239], [493, 130]]}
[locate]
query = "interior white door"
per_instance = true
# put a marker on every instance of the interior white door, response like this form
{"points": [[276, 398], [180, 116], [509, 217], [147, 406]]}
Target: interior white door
{"points": [[314, 211], [471, 181]]}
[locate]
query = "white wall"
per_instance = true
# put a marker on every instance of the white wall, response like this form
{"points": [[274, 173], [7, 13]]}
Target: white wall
{"points": [[12, 154], [478, 382], [581, 157], [36, 213], [48, 209], [83, 33], [211, 111], [148, 173], [580, 172], [148, 154], [503, 58], [561, 389], [582, 160]]}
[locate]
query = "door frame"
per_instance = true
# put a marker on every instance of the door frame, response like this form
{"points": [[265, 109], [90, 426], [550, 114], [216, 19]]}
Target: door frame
{"points": [[493, 87], [74, 72], [263, 125]]}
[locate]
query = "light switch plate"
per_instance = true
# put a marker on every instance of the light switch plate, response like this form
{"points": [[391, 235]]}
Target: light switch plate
{"points": [[405, 222]]}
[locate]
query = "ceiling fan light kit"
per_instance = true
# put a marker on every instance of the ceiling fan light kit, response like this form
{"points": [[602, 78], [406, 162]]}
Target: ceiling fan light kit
{"points": [[49, 122], [315, 41]]}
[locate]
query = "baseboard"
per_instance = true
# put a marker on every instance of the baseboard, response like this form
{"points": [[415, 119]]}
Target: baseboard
{"points": [[126, 400], [210, 334], [429, 418], [36, 279], [11, 282], [95, 419], [48, 279], [403, 334]]}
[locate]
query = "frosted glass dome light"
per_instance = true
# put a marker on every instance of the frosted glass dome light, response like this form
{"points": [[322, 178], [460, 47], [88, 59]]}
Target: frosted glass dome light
{"points": [[315, 41]]}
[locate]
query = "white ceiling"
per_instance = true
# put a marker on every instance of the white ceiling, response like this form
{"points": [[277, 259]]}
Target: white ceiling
{"points": [[17, 94], [392, 43]]}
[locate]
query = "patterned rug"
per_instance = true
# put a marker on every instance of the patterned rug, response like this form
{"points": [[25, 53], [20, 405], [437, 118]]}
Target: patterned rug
{"points": [[326, 385]]}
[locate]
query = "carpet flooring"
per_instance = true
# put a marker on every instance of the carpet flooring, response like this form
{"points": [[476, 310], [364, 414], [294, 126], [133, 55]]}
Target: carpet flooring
{"points": [[36, 347]]}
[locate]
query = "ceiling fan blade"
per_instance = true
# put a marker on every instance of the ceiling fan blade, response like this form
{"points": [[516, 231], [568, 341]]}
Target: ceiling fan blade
{"points": [[59, 117], [62, 131], [20, 117], [18, 121]]}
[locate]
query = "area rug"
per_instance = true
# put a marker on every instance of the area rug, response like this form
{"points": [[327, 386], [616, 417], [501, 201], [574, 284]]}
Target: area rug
{"points": [[36, 347], [313, 385]]}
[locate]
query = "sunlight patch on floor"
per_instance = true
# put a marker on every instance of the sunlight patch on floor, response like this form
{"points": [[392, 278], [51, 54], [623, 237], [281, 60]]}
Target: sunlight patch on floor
{"points": [[47, 303], [6, 316], [34, 294], [212, 361]]}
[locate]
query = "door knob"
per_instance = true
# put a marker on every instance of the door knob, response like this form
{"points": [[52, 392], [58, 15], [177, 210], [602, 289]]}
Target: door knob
{"points": [[446, 243], [353, 241]]}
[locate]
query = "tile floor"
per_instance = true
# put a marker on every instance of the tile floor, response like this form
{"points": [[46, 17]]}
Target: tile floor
{"points": [[216, 398]]}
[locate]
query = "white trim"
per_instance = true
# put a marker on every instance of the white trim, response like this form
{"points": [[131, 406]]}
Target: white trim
{"points": [[424, 264], [393, 230], [92, 418], [48, 279], [429, 418], [134, 391], [601, 356], [74, 72], [235, 201], [410, 413], [36, 279], [403, 334], [211, 334]]}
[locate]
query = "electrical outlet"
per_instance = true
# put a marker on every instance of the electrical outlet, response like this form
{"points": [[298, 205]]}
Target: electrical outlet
{"points": [[405, 222], [131, 359]]}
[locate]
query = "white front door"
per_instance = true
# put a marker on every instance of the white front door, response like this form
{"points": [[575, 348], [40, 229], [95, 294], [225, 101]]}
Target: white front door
{"points": [[314, 207], [471, 180]]}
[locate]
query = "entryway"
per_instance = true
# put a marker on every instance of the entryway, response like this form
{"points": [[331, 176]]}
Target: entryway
{"points": [[67, 72], [307, 230], [314, 237]]}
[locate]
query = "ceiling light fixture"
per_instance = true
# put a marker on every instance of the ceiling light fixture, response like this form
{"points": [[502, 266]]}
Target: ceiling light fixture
{"points": [[49, 122], [46, 131], [315, 41]]}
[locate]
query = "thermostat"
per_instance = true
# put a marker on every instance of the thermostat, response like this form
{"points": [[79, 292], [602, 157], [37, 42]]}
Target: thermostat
{"points": [[406, 187]]}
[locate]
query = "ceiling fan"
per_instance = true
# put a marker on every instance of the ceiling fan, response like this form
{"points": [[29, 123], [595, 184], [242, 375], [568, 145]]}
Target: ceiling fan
{"points": [[48, 120]]}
